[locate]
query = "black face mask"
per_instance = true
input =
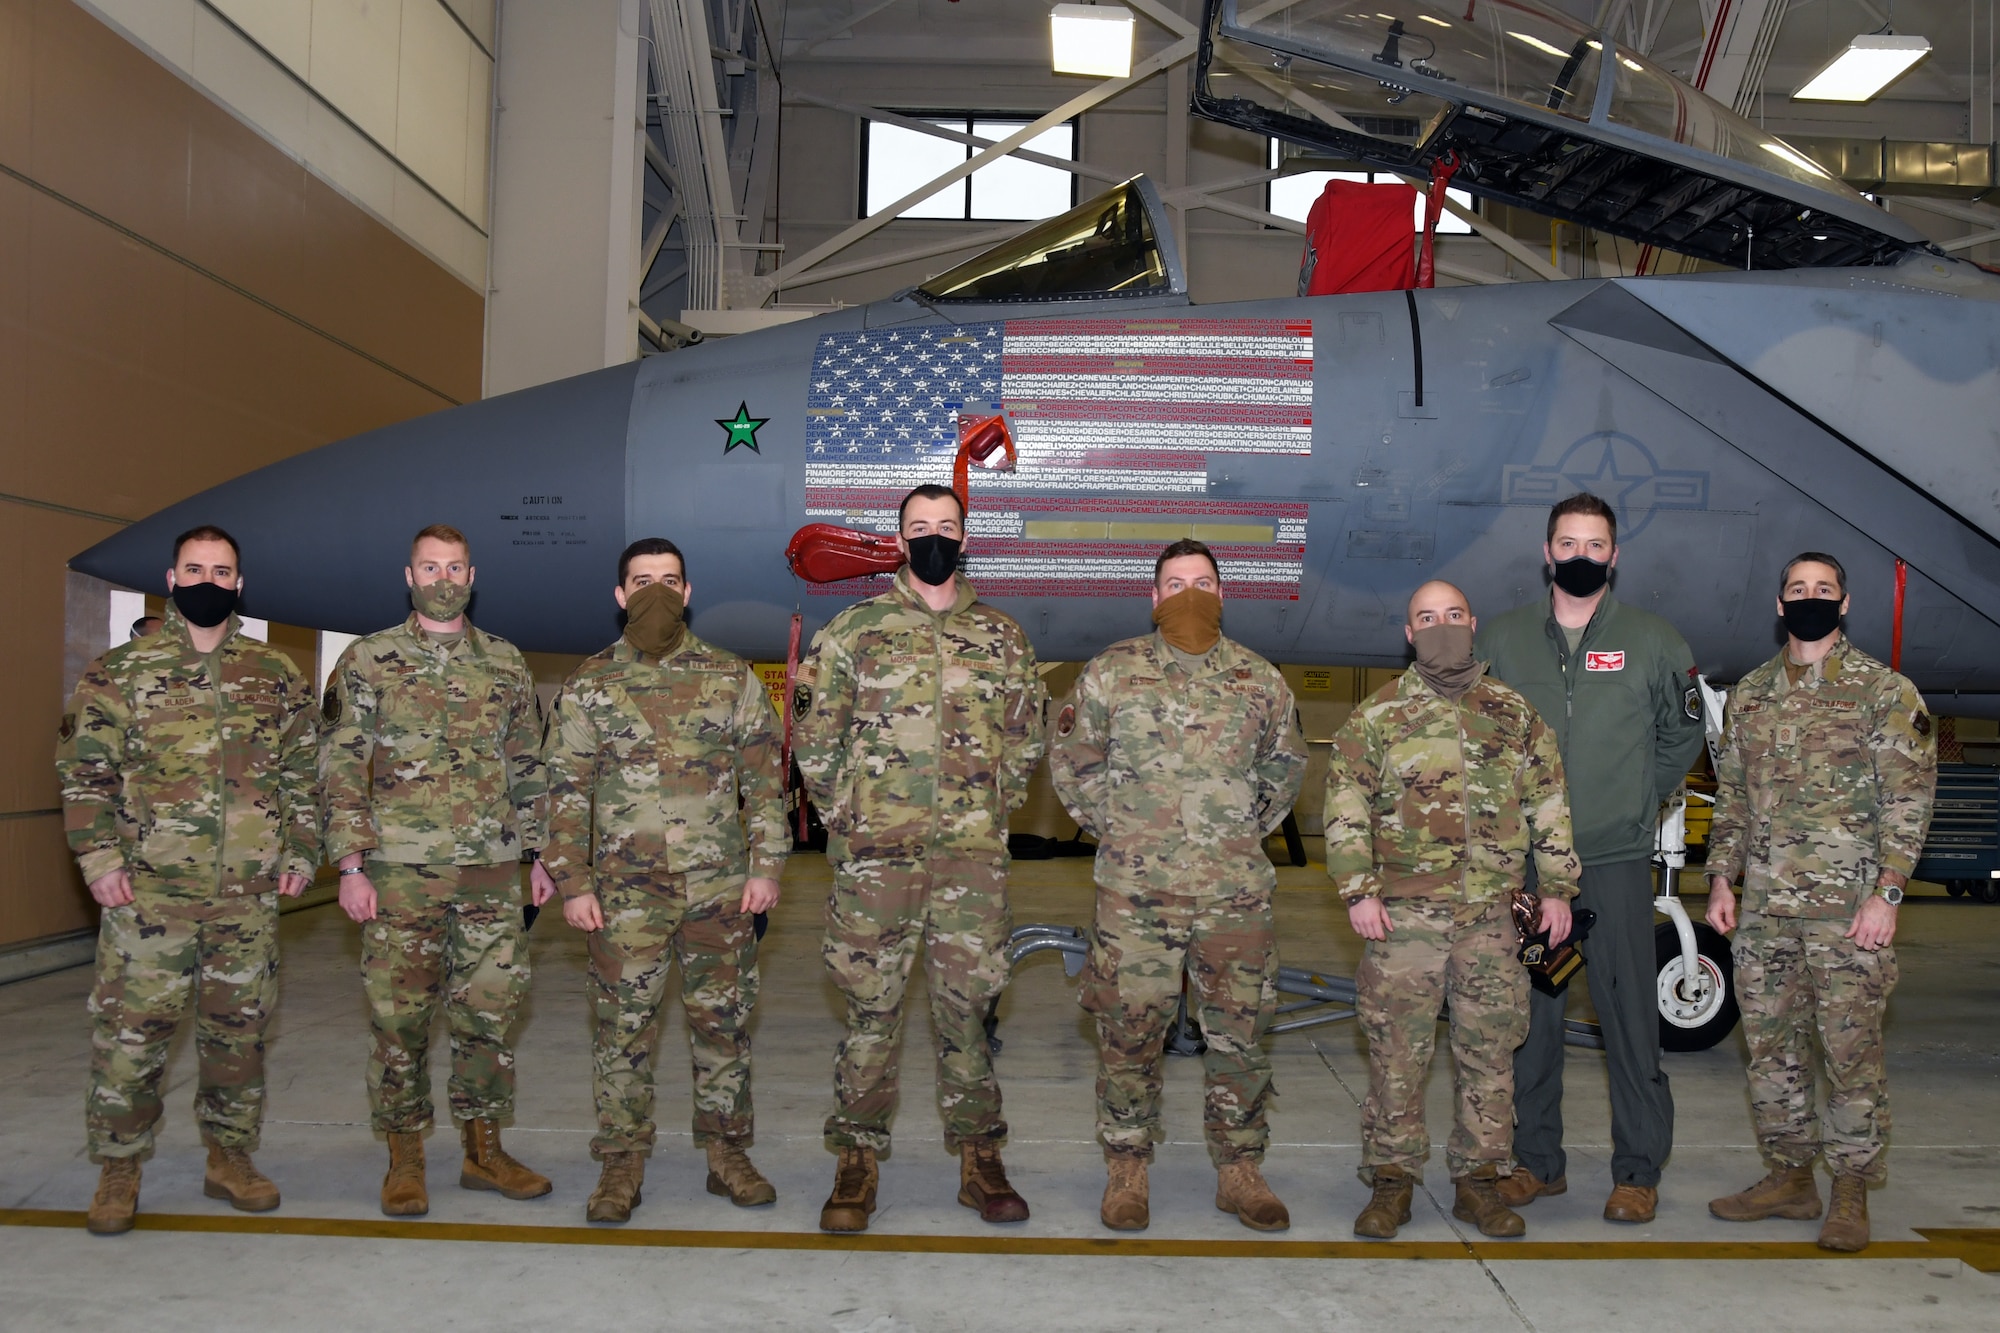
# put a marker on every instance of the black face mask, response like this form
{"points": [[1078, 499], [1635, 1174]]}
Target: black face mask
{"points": [[204, 604], [934, 559], [1581, 576], [1810, 619]]}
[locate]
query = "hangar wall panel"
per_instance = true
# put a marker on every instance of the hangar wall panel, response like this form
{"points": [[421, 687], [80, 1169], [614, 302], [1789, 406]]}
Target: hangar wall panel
{"points": [[180, 302], [388, 101]]}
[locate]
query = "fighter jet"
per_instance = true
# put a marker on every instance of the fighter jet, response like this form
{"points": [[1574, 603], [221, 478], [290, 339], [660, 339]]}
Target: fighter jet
{"points": [[1837, 391]]}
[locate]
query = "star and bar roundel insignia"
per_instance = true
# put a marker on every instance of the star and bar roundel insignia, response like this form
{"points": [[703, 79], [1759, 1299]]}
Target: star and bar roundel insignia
{"points": [[742, 429]]}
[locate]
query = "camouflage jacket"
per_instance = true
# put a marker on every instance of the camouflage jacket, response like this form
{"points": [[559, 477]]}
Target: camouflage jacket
{"points": [[659, 751], [431, 754], [1825, 787], [1426, 798], [917, 731], [1179, 776], [193, 773]]}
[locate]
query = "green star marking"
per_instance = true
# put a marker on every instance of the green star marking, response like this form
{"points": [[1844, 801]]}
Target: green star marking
{"points": [[742, 430]]}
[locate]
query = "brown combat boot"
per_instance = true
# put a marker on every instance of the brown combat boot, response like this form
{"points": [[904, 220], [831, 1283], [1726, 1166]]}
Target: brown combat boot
{"points": [[1388, 1204], [1846, 1225], [1125, 1206], [982, 1184], [1478, 1202], [117, 1198], [1240, 1189], [617, 1192], [853, 1197], [1789, 1191], [403, 1191], [1632, 1203], [488, 1166], [233, 1176], [731, 1175], [1523, 1187]]}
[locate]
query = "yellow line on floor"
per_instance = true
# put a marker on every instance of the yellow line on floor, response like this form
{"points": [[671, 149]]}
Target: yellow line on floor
{"points": [[1979, 1248]]}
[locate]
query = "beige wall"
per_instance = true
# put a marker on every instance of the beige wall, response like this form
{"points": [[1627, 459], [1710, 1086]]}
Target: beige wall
{"points": [[180, 303]]}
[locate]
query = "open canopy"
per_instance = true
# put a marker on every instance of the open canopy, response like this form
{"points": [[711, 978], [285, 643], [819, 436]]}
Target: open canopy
{"points": [[1542, 112], [1106, 246]]}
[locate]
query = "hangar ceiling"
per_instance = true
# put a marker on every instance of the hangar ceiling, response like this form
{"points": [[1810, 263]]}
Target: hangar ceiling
{"points": [[714, 158]]}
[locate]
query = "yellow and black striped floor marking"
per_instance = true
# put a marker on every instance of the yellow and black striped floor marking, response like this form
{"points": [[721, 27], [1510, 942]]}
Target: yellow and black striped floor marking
{"points": [[1977, 1247]]}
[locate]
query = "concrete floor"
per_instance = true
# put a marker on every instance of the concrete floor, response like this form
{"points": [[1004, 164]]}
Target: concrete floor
{"points": [[333, 1264]]}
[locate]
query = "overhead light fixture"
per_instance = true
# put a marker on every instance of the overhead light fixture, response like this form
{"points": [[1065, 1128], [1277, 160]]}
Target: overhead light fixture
{"points": [[1870, 63], [1092, 39], [1537, 43], [1793, 156]]}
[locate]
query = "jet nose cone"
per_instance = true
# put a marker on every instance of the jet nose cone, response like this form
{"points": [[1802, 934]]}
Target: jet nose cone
{"points": [[535, 480]]}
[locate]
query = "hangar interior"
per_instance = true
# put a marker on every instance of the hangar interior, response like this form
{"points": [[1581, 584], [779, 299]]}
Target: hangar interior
{"points": [[233, 231]]}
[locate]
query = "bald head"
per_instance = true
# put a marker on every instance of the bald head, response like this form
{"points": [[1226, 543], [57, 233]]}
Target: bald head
{"points": [[1437, 603]]}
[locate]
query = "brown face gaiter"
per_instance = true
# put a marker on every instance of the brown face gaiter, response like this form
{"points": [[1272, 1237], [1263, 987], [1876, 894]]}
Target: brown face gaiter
{"points": [[1444, 658], [1190, 620], [653, 619]]}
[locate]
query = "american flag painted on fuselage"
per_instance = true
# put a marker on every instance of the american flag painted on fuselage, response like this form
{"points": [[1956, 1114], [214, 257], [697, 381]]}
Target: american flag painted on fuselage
{"points": [[1114, 419]]}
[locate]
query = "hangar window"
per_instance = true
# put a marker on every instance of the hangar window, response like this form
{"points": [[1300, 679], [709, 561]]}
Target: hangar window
{"points": [[1293, 196], [896, 160]]}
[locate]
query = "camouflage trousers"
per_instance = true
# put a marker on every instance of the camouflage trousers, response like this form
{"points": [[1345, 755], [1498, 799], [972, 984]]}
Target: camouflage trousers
{"points": [[1461, 955], [445, 937], [648, 922], [878, 913], [157, 957], [1140, 948], [1799, 982]]}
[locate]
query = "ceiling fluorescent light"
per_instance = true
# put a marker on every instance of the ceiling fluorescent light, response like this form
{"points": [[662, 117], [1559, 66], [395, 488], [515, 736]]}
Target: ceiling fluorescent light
{"points": [[1537, 43], [1870, 63], [1092, 39]]}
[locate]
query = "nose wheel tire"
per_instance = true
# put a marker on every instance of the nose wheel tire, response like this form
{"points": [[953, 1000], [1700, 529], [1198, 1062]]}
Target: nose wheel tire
{"points": [[1695, 1012]]}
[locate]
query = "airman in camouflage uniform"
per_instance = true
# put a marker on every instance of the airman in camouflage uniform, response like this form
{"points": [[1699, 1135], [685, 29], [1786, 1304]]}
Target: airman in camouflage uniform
{"points": [[431, 759], [190, 801], [1179, 752], [1824, 789], [918, 723], [652, 744], [1439, 791]]}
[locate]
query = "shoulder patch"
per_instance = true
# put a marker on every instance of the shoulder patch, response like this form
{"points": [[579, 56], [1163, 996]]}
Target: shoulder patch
{"points": [[802, 698], [1920, 722], [1691, 703], [329, 706], [67, 728], [1066, 720]]}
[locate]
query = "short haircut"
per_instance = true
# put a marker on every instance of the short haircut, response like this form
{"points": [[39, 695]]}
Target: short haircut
{"points": [[649, 546], [443, 532], [1816, 558], [929, 491], [139, 625], [208, 532], [1185, 546], [1583, 502]]}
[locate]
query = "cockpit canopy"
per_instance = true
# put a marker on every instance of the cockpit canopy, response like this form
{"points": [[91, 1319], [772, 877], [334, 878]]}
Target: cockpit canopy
{"points": [[1107, 246], [1541, 112]]}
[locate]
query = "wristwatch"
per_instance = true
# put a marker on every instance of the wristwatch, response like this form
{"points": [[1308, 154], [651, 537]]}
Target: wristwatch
{"points": [[355, 870], [1890, 894]]}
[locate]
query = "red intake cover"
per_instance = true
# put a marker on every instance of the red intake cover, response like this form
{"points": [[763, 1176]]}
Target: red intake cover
{"points": [[824, 553]]}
